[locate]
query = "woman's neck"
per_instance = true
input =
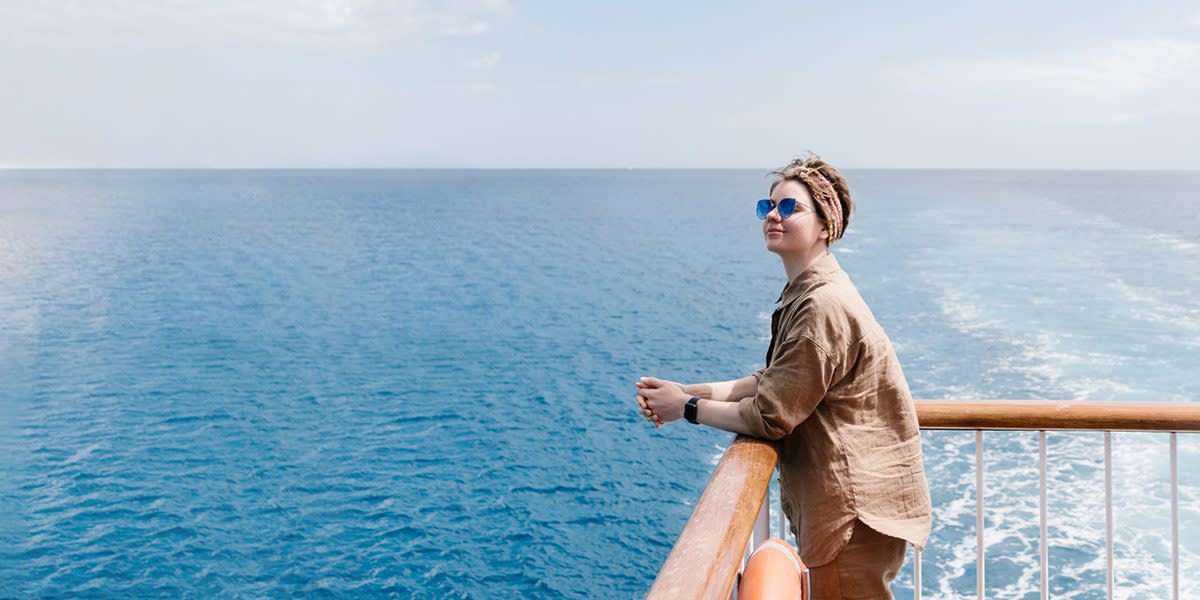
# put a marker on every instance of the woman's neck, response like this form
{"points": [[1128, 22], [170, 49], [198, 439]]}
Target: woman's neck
{"points": [[795, 264]]}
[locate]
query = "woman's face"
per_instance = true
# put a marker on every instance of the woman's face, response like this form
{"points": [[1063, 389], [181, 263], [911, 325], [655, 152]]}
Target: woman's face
{"points": [[800, 233]]}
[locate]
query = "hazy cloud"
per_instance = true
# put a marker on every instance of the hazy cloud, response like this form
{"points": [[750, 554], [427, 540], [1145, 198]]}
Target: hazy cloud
{"points": [[465, 29], [486, 61], [346, 22], [1121, 82]]}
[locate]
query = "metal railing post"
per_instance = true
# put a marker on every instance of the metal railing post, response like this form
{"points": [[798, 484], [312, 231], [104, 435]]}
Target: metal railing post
{"points": [[916, 573], [762, 525], [1174, 518], [1045, 548], [1108, 515], [979, 549]]}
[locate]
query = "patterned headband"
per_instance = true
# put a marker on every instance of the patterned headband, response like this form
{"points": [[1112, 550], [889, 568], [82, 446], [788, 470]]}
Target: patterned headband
{"points": [[824, 193]]}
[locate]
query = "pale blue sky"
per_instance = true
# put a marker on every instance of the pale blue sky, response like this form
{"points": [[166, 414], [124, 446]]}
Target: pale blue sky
{"points": [[495, 83]]}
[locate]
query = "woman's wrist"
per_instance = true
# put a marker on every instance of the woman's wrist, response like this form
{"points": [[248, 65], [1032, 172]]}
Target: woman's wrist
{"points": [[703, 390]]}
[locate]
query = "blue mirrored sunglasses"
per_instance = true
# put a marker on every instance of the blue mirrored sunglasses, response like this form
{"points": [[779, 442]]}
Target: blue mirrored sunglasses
{"points": [[787, 206]]}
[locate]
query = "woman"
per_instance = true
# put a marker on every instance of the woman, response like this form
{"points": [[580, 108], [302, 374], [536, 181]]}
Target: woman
{"points": [[833, 393]]}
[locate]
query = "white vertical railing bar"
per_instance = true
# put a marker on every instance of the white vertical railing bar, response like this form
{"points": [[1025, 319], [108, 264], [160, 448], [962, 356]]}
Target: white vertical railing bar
{"points": [[1108, 514], [760, 534], [762, 525], [979, 513], [1045, 553], [1174, 519], [916, 573]]}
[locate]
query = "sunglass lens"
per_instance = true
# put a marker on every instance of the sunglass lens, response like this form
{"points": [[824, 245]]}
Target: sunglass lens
{"points": [[764, 207], [787, 206]]}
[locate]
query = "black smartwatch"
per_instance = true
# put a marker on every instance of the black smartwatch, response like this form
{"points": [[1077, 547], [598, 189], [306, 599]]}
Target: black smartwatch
{"points": [[689, 409]]}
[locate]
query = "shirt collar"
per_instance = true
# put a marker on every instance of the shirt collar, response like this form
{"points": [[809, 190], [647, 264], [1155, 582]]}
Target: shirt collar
{"points": [[806, 281]]}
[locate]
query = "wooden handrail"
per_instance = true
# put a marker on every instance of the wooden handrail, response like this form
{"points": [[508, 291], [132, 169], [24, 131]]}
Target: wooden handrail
{"points": [[1033, 415], [705, 559]]}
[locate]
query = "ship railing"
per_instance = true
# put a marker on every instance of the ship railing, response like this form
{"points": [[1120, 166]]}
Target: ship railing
{"points": [[733, 515]]}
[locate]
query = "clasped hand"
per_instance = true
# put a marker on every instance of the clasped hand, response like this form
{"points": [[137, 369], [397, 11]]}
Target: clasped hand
{"points": [[661, 401]]}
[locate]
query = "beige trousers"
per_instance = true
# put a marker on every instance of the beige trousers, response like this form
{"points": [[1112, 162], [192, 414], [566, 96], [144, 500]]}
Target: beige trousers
{"points": [[862, 570]]}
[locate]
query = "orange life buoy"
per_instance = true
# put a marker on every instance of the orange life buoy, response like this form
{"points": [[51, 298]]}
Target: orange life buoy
{"points": [[774, 572]]}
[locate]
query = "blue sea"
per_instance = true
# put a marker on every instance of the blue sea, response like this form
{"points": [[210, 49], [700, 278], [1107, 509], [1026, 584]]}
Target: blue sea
{"points": [[419, 384]]}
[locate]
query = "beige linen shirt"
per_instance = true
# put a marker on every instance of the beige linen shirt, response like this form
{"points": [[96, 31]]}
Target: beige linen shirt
{"points": [[834, 394]]}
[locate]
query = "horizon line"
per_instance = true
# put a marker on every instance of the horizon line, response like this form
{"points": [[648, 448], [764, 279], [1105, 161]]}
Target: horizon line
{"points": [[846, 168]]}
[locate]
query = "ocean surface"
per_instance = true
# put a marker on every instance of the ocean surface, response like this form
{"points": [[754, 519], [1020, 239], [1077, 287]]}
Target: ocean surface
{"points": [[420, 383]]}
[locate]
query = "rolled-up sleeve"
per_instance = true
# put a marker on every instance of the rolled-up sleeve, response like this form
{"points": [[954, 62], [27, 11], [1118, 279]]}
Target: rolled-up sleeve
{"points": [[789, 389]]}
